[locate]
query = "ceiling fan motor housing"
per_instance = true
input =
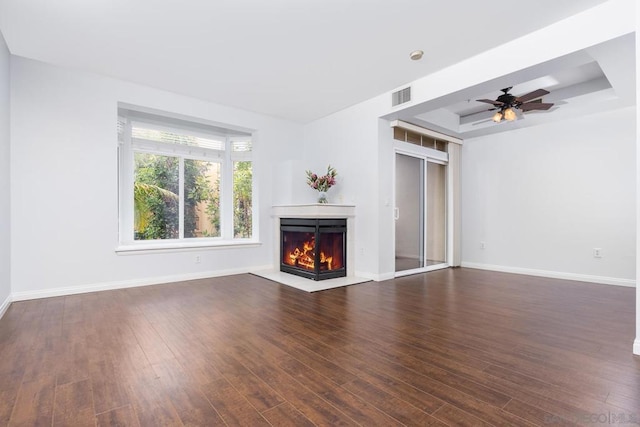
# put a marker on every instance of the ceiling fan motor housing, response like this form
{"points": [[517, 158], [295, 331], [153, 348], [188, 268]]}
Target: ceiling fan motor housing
{"points": [[508, 100]]}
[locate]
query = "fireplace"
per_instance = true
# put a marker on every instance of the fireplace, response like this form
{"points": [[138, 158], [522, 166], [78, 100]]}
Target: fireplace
{"points": [[313, 248]]}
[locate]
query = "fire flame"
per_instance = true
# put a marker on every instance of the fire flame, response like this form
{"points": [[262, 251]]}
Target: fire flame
{"points": [[306, 257]]}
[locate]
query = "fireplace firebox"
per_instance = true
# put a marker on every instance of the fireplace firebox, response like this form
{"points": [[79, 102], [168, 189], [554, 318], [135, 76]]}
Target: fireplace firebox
{"points": [[313, 248]]}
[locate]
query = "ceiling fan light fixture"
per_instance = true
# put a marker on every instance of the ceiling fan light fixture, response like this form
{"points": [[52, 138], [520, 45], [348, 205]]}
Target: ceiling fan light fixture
{"points": [[506, 104], [509, 114]]}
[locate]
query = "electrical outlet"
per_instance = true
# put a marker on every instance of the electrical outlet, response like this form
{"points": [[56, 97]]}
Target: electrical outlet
{"points": [[197, 259], [597, 252], [483, 245]]}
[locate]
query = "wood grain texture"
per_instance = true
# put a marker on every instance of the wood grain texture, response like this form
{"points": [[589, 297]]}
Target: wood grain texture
{"points": [[452, 347], [119, 417], [74, 405]]}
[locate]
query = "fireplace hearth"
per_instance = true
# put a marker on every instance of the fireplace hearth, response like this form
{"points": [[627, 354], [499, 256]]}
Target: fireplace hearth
{"points": [[315, 248]]}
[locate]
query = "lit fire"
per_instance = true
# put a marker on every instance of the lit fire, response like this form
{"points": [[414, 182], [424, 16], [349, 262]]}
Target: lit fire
{"points": [[306, 257]]}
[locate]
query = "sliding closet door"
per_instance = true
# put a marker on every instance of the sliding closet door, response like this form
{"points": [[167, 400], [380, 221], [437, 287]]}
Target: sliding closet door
{"points": [[436, 218], [409, 213], [420, 214]]}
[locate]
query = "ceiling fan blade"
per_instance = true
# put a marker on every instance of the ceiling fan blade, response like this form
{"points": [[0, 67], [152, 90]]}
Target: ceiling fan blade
{"points": [[532, 95], [536, 106], [489, 101]]}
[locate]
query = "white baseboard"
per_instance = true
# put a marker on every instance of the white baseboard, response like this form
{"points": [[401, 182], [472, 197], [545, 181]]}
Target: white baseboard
{"points": [[636, 346], [553, 274], [5, 305], [375, 277], [106, 286]]}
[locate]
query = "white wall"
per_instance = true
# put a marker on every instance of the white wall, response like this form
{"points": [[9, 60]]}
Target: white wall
{"points": [[5, 218], [542, 198], [64, 183], [353, 141]]}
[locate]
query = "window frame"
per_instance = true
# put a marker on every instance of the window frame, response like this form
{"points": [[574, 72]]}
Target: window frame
{"points": [[128, 146]]}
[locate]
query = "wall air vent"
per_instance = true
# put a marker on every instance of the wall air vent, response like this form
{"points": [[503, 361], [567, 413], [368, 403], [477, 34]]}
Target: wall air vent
{"points": [[401, 96]]}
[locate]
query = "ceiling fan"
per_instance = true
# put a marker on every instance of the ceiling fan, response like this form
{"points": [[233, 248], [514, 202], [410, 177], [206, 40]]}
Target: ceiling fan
{"points": [[506, 103]]}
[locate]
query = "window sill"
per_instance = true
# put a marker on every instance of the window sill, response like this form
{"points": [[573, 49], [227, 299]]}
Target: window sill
{"points": [[160, 247]]}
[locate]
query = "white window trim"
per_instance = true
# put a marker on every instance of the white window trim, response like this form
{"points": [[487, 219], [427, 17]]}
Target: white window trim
{"points": [[226, 157], [173, 245]]}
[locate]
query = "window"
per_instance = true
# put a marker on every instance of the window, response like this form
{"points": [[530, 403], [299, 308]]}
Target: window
{"points": [[183, 182]]}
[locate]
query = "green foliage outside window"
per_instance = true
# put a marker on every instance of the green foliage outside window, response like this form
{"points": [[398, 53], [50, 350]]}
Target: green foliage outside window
{"points": [[156, 197], [242, 178], [201, 186], [157, 192]]}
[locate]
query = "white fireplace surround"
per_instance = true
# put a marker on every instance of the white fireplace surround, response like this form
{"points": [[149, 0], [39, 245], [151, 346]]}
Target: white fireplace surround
{"points": [[314, 211]]}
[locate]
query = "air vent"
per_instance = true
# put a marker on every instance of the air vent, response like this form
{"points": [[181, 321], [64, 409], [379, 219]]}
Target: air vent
{"points": [[401, 96]]}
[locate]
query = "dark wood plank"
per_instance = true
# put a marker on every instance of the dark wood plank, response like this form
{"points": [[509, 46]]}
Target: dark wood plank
{"points": [[467, 402], [34, 403], [536, 415], [291, 345], [9, 387], [73, 364], [453, 416], [311, 405], [74, 405], [154, 347], [231, 405], [191, 405], [150, 399], [119, 417], [397, 408], [456, 347], [256, 391], [389, 384], [286, 415], [109, 388], [356, 408]]}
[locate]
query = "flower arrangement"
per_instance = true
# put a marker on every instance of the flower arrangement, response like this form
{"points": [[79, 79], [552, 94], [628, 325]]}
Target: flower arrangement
{"points": [[324, 182]]}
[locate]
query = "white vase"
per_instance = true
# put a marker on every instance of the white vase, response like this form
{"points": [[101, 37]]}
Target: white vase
{"points": [[322, 197]]}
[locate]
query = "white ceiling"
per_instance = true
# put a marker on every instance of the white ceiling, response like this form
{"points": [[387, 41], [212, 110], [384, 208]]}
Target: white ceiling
{"points": [[593, 80], [295, 59]]}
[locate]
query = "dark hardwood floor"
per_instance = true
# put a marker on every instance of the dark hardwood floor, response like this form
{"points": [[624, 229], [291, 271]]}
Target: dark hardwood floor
{"points": [[451, 347]]}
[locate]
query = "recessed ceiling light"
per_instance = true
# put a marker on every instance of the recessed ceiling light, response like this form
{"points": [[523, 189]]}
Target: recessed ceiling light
{"points": [[416, 55]]}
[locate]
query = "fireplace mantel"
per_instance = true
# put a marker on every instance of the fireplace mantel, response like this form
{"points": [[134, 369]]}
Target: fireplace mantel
{"points": [[315, 210]]}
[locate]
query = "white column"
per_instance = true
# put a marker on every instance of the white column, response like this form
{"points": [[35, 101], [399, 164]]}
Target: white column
{"points": [[454, 215]]}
